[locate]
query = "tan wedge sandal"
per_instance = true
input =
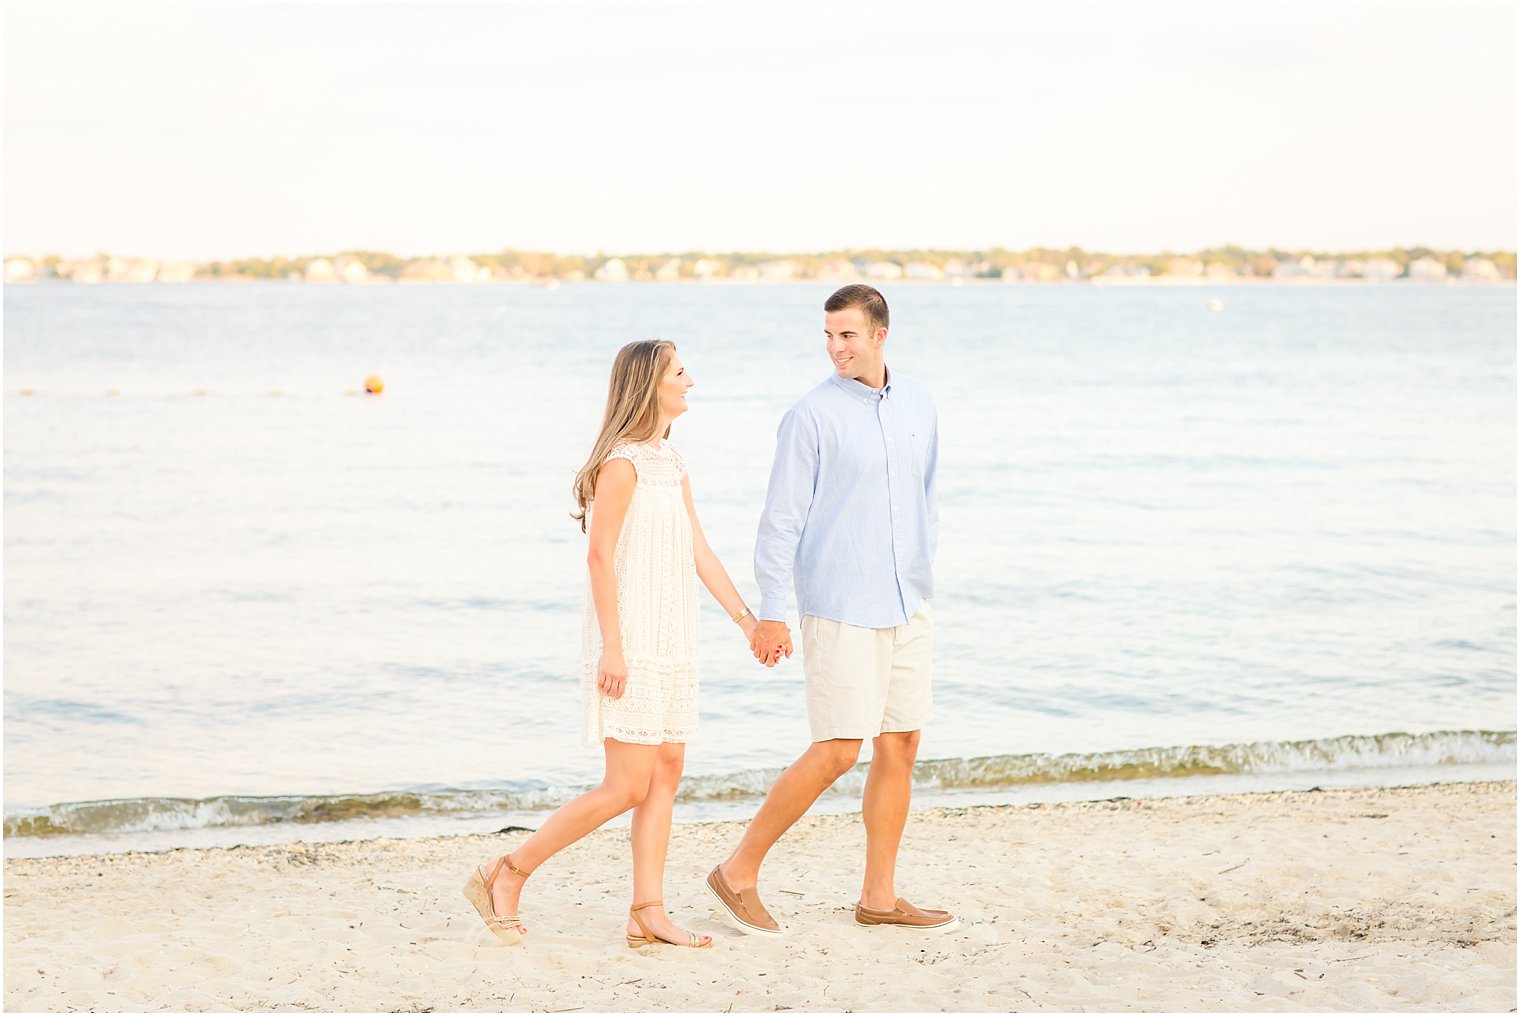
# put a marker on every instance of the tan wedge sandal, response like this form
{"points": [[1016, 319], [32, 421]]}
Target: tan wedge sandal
{"points": [[695, 941], [478, 891]]}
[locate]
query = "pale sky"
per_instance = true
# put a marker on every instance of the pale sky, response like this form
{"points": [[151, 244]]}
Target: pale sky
{"points": [[207, 131]]}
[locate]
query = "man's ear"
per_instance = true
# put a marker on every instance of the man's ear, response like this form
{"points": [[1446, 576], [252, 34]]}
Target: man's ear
{"points": [[881, 336]]}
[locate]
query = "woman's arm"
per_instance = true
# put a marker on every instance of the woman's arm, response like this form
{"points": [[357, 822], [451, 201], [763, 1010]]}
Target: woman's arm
{"points": [[614, 492], [711, 571]]}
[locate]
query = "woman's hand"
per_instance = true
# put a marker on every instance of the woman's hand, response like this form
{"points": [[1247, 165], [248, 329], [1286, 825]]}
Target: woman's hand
{"points": [[612, 673], [747, 627], [769, 641]]}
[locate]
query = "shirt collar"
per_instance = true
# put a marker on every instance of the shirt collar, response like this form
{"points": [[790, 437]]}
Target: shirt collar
{"points": [[865, 393]]}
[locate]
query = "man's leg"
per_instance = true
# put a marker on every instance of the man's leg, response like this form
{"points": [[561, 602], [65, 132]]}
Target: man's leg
{"points": [[889, 787], [789, 798], [845, 686]]}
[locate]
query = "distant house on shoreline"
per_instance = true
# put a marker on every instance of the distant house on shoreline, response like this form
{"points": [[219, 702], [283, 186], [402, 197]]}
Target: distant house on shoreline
{"points": [[351, 270], [614, 270], [777, 271], [1480, 270], [1427, 269], [838, 270], [176, 271]]}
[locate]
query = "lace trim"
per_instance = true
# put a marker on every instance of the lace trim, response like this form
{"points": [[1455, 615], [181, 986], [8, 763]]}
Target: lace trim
{"points": [[659, 704], [678, 735]]}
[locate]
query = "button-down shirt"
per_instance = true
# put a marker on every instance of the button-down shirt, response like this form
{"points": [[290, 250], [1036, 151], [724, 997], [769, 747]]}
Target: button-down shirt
{"points": [[851, 514]]}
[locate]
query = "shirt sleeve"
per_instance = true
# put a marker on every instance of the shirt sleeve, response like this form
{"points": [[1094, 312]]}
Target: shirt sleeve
{"points": [[931, 485], [788, 499]]}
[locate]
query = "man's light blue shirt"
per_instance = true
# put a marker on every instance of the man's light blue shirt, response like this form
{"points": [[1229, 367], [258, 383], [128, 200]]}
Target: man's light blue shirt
{"points": [[851, 515]]}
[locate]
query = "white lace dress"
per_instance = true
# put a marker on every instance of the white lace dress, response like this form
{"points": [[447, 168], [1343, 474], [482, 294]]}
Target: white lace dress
{"points": [[657, 612]]}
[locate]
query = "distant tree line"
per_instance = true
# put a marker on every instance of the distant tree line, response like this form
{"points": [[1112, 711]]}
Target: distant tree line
{"points": [[1039, 263]]}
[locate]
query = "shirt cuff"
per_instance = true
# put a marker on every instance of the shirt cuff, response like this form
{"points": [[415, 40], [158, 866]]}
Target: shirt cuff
{"points": [[772, 609]]}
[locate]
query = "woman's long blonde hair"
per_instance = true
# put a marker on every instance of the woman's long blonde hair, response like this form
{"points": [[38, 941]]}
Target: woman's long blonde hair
{"points": [[633, 411]]}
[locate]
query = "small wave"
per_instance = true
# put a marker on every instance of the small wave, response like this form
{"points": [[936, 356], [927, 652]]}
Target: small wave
{"points": [[1372, 751], [159, 814], [1377, 751]]}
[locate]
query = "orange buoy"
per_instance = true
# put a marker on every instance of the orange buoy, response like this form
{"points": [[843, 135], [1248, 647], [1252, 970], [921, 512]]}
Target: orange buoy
{"points": [[373, 385]]}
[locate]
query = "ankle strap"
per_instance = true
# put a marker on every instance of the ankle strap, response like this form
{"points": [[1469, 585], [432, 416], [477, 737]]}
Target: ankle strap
{"points": [[645, 906], [504, 861]]}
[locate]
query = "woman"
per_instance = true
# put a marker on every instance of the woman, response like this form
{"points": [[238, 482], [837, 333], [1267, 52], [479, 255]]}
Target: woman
{"points": [[638, 643]]}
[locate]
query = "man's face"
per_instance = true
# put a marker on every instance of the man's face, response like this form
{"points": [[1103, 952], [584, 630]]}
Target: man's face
{"points": [[854, 348]]}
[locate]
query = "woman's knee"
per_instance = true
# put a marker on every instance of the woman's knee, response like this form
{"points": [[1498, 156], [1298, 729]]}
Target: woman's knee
{"points": [[668, 767], [627, 793], [630, 770]]}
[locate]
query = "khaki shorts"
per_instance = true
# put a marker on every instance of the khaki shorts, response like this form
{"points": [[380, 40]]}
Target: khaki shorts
{"points": [[867, 681]]}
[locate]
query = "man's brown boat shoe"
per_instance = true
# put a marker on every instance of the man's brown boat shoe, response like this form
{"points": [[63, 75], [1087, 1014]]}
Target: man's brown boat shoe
{"points": [[906, 915], [742, 907]]}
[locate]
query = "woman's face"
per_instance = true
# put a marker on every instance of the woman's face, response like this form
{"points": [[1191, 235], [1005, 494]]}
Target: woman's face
{"points": [[673, 387]]}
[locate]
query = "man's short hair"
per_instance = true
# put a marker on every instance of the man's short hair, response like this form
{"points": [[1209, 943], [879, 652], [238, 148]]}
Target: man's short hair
{"points": [[871, 303]]}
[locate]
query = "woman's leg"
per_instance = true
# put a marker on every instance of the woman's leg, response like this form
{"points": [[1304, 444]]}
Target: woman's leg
{"points": [[651, 840], [630, 768]]}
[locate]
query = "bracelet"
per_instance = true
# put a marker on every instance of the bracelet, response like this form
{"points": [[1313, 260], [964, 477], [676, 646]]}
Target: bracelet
{"points": [[736, 618]]}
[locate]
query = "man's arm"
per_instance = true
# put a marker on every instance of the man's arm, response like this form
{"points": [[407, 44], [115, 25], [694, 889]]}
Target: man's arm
{"points": [[788, 499]]}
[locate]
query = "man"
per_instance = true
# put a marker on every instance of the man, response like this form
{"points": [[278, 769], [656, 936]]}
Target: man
{"points": [[850, 516]]}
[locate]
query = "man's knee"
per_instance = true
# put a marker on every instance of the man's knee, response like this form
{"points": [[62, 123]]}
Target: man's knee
{"points": [[839, 754], [896, 745]]}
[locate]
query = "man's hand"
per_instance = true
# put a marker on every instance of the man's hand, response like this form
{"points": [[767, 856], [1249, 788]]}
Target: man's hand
{"points": [[770, 641]]}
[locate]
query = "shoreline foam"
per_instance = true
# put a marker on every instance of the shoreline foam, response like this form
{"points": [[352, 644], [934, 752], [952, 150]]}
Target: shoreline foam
{"points": [[1382, 759]]}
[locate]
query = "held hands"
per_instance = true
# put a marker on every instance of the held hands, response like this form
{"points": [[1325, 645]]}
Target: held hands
{"points": [[612, 673], [769, 641]]}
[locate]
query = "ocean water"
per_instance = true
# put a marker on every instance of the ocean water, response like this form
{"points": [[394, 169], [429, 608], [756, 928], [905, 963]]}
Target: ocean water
{"points": [[1182, 550]]}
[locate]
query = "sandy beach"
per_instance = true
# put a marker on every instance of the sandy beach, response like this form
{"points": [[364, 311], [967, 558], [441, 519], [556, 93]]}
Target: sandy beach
{"points": [[1380, 899]]}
